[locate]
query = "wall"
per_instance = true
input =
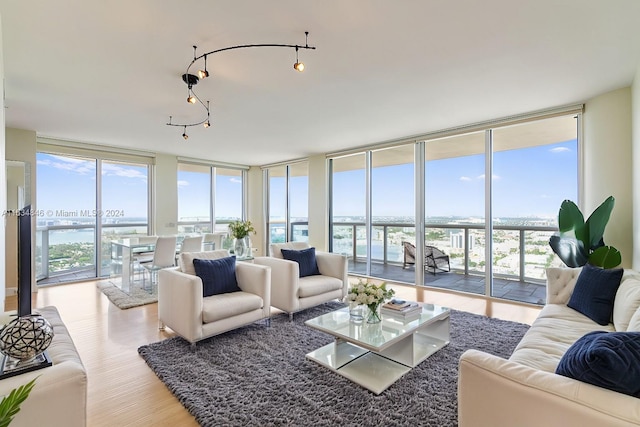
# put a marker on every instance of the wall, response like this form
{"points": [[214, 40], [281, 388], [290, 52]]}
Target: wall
{"points": [[3, 180], [21, 146], [608, 165], [165, 198], [635, 150], [255, 210], [318, 203]]}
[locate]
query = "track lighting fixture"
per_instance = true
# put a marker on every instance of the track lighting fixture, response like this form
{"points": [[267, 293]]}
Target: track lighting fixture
{"points": [[203, 73], [192, 79], [298, 66]]}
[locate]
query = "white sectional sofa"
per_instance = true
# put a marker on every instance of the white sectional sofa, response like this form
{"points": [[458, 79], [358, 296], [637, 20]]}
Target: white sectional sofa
{"points": [[524, 391], [59, 397]]}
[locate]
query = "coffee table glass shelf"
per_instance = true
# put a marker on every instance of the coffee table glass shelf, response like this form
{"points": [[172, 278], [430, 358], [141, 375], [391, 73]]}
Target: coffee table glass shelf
{"points": [[377, 355]]}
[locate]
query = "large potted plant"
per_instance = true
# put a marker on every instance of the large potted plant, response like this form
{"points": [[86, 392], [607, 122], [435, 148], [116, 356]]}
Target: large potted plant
{"points": [[579, 242]]}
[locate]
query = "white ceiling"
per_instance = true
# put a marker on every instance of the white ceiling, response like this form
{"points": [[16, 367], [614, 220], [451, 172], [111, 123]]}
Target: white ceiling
{"points": [[108, 72]]}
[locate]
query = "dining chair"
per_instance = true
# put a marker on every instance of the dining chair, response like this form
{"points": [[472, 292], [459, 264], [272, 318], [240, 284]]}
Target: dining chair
{"points": [[164, 256]]}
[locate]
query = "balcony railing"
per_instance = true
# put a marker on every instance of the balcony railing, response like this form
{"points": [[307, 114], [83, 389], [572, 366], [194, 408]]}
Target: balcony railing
{"points": [[519, 252], [74, 247]]}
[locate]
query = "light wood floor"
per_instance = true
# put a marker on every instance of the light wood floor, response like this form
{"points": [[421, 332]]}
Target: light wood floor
{"points": [[123, 391]]}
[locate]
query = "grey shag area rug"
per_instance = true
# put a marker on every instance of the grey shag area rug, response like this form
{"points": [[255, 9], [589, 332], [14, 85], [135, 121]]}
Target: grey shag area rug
{"points": [[259, 376], [136, 297]]}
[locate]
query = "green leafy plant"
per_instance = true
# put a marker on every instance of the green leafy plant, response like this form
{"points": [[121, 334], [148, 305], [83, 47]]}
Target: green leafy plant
{"points": [[579, 242], [10, 404]]}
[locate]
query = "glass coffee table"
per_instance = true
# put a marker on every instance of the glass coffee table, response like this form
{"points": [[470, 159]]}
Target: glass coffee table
{"points": [[377, 355]]}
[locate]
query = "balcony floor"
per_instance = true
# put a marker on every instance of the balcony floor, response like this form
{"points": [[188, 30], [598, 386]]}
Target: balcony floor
{"points": [[529, 292]]}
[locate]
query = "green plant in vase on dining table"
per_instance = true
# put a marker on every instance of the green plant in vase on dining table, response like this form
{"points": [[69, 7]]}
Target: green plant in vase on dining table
{"points": [[372, 296], [240, 231]]}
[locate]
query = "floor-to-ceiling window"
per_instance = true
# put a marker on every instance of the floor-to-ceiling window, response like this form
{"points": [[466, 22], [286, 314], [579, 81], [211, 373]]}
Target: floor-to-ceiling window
{"points": [[287, 202], [228, 197], [209, 197], [490, 198], [455, 206], [349, 209], [299, 202], [86, 202], [122, 215], [194, 198], [392, 206], [535, 168]]}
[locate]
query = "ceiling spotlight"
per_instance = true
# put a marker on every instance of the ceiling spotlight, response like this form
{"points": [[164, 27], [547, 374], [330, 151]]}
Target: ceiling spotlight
{"points": [[203, 73], [298, 66], [184, 134], [191, 99], [207, 124]]}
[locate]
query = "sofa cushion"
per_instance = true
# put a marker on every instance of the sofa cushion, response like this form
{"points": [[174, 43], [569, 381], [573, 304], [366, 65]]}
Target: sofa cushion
{"points": [[218, 275], [595, 292], [186, 259], [316, 285], [224, 306], [306, 260], [550, 336], [627, 300], [605, 359]]}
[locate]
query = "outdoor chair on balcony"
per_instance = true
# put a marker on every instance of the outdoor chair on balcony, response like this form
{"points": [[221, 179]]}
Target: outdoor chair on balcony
{"points": [[434, 259]]}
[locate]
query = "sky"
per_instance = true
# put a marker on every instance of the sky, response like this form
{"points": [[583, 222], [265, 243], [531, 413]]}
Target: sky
{"points": [[530, 182]]}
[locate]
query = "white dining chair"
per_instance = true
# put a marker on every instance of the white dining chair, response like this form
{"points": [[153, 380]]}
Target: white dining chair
{"points": [[164, 256], [191, 244]]}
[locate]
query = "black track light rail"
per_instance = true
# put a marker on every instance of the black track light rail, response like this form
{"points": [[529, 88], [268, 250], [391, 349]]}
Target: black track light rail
{"points": [[191, 80], [244, 46]]}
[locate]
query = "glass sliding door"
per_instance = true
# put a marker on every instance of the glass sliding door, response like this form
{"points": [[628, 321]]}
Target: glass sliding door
{"points": [[228, 197], [194, 198], [120, 215], [455, 209], [277, 224], [348, 210], [299, 202], [392, 210], [66, 230], [535, 168], [288, 203]]}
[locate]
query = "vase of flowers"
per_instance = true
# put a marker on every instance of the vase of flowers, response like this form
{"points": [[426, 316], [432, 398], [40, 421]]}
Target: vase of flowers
{"points": [[372, 296], [240, 231]]}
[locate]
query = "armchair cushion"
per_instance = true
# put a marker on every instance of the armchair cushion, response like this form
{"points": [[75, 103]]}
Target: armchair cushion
{"points": [[605, 359], [218, 275], [224, 306], [317, 285], [595, 292], [305, 258]]}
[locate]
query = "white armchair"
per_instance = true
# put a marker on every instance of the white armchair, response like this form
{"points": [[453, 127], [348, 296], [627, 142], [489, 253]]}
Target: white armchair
{"points": [[182, 307], [292, 293]]}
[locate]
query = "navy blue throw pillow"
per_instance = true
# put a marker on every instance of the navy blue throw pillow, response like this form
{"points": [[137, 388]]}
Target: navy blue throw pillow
{"points": [[306, 259], [606, 359], [595, 292], [218, 275]]}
